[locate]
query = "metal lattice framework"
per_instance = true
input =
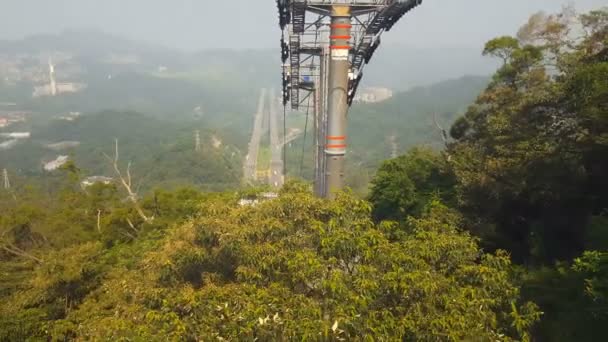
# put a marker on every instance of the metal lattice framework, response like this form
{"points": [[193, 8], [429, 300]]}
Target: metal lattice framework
{"points": [[325, 46], [306, 24]]}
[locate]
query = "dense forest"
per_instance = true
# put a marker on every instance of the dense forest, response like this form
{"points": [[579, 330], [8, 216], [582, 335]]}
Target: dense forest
{"points": [[498, 234], [162, 153]]}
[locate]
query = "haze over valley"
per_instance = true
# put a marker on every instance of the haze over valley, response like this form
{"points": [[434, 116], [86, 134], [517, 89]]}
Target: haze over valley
{"points": [[215, 90], [304, 170]]}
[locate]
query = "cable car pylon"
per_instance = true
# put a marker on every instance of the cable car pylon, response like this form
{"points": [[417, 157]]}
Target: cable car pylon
{"points": [[325, 46]]}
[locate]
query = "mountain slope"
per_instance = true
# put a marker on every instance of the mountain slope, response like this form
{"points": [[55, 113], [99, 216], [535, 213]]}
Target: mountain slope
{"points": [[162, 152], [408, 117], [402, 67]]}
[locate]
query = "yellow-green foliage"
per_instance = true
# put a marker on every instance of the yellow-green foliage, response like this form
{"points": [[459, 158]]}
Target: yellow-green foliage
{"points": [[294, 268]]}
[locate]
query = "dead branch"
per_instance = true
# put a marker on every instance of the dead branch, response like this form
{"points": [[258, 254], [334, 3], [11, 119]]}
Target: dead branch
{"points": [[129, 174], [115, 150], [130, 236], [19, 252], [126, 182], [99, 220], [132, 226], [444, 135]]}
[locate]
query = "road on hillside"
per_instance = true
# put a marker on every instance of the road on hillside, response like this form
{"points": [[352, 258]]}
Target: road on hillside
{"points": [[251, 160], [276, 163]]}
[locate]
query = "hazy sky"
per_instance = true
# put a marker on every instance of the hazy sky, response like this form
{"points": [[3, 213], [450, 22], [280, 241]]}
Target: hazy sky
{"points": [[200, 24]]}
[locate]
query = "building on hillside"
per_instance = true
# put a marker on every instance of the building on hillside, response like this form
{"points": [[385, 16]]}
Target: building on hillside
{"points": [[263, 197], [59, 88], [71, 116], [7, 145], [373, 95], [90, 181], [16, 135], [56, 164], [8, 118], [53, 87]]}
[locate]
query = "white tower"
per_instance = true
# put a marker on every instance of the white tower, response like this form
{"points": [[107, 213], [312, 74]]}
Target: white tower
{"points": [[7, 184], [197, 141], [53, 84]]}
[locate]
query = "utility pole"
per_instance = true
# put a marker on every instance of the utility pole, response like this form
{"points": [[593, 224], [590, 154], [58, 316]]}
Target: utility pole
{"points": [[7, 183], [251, 161], [337, 105], [197, 141]]}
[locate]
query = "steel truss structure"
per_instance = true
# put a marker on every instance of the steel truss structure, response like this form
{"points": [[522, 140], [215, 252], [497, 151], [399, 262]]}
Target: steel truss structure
{"points": [[324, 41]]}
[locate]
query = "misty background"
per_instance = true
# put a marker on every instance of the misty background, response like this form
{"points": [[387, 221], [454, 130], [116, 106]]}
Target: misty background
{"points": [[152, 72], [197, 63], [237, 24]]}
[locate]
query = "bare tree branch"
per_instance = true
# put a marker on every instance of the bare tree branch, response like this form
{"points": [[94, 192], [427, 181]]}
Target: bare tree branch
{"points": [[19, 252], [99, 220], [129, 174], [132, 226], [116, 151], [130, 236], [126, 183], [444, 134]]}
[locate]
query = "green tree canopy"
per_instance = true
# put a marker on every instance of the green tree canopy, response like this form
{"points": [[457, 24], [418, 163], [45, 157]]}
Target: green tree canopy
{"points": [[292, 268], [403, 186], [531, 153]]}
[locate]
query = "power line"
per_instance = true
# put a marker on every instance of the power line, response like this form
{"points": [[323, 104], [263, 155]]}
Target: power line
{"points": [[304, 141], [285, 140]]}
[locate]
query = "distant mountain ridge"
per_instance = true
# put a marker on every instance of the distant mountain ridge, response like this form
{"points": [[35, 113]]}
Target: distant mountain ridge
{"points": [[396, 66], [163, 153], [403, 67], [82, 42]]}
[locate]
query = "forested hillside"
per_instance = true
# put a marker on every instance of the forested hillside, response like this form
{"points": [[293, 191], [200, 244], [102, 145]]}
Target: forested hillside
{"points": [[527, 169], [409, 117], [495, 230], [162, 153], [297, 267], [406, 120], [125, 75]]}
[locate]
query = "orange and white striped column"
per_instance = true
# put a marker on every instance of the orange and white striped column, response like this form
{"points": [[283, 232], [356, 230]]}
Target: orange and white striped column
{"points": [[337, 106]]}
